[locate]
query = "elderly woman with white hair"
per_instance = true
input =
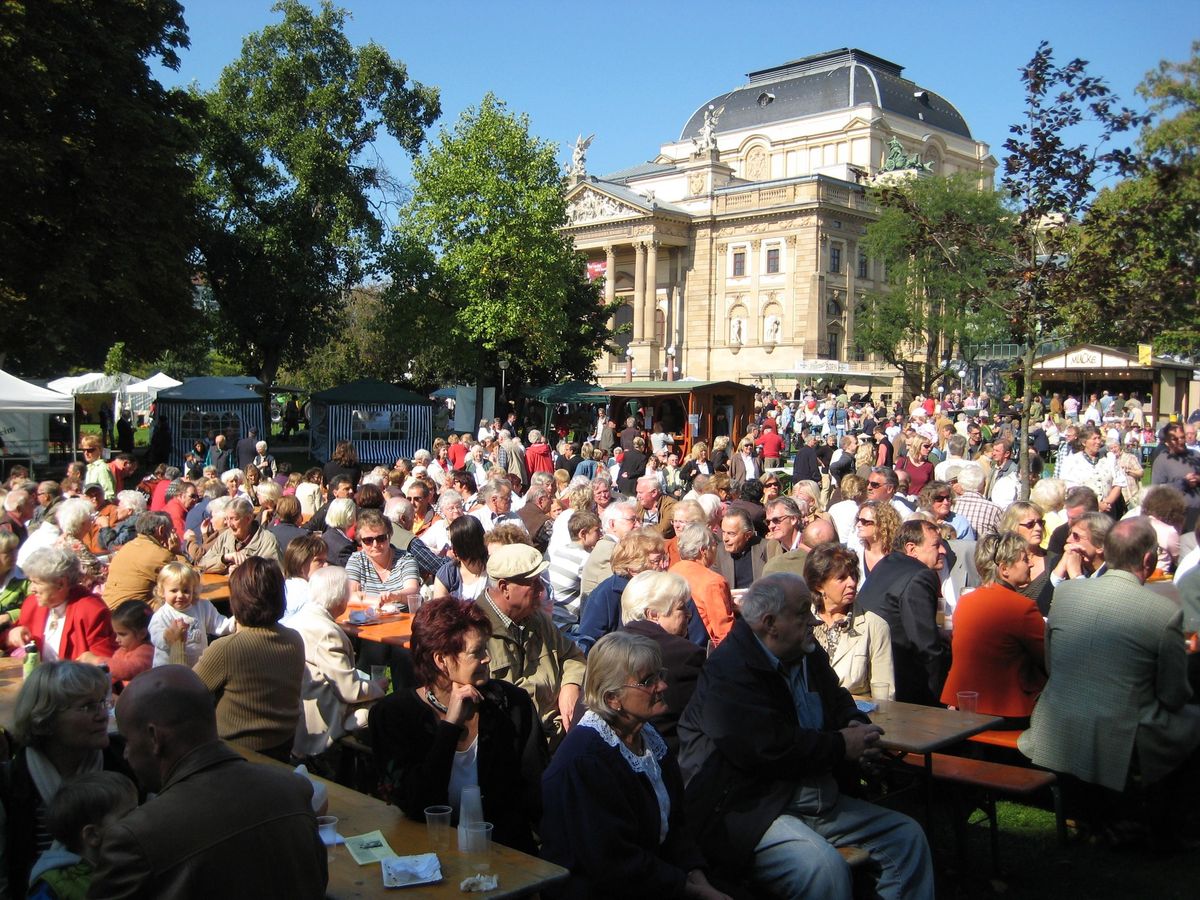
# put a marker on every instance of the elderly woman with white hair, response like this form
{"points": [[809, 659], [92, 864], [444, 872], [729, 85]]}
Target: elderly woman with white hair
{"points": [[121, 529], [338, 518], [336, 697], [613, 794], [60, 616], [264, 461], [657, 605]]}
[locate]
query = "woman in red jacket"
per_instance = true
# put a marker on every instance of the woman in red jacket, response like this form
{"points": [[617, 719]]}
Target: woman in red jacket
{"points": [[999, 636], [60, 617]]}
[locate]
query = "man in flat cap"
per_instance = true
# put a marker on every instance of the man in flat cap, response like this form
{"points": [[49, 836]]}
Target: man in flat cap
{"points": [[525, 647]]}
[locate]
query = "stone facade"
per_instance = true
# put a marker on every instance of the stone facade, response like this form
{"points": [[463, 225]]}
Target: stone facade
{"points": [[740, 247]]}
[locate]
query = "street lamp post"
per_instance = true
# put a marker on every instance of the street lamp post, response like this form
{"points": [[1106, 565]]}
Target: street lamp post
{"points": [[671, 363], [629, 364], [503, 377]]}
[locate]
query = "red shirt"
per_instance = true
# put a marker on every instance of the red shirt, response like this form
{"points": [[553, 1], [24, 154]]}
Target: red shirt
{"points": [[457, 454], [771, 445]]}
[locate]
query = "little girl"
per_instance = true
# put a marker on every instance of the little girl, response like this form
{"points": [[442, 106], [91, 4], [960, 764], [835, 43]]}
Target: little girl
{"points": [[135, 653], [180, 628]]}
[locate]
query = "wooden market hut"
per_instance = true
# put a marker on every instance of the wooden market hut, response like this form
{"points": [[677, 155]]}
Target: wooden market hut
{"points": [[383, 421], [1090, 368], [691, 410]]}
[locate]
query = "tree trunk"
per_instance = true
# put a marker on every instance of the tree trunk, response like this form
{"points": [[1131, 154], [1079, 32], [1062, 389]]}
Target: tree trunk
{"points": [[1026, 401]]}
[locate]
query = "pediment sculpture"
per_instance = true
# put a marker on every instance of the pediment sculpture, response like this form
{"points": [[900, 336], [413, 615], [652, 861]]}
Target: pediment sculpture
{"points": [[590, 206]]}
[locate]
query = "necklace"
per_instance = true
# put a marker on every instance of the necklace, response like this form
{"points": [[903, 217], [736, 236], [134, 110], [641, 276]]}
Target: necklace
{"points": [[831, 633], [435, 702]]}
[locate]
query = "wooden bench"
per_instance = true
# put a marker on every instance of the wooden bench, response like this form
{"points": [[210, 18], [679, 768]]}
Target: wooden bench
{"points": [[990, 779], [1004, 739]]}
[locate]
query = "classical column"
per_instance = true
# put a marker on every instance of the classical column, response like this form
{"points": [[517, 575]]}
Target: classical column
{"points": [[639, 291], [610, 284], [651, 289]]}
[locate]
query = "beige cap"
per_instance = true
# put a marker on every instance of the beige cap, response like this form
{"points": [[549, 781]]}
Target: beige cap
{"points": [[515, 561]]}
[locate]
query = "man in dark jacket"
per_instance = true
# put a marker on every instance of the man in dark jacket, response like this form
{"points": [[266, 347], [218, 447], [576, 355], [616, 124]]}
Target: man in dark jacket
{"points": [[761, 738], [903, 590], [215, 816], [806, 467]]}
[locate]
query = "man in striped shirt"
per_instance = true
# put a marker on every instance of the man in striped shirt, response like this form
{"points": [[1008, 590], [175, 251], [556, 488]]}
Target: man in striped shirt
{"points": [[566, 565]]}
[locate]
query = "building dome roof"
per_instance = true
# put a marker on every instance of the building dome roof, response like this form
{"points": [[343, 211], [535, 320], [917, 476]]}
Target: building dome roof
{"points": [[839, 79]]}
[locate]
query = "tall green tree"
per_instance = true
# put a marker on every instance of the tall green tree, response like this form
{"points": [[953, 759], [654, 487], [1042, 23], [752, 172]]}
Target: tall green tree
{"points": [[481, 269], [1143, 235], [95, 162], [289, 187], [930, 311]]}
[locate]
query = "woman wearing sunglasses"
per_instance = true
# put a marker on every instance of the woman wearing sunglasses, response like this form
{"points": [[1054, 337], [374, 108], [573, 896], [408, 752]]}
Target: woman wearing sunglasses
{"points": [[379, 570], [1026, 519]]}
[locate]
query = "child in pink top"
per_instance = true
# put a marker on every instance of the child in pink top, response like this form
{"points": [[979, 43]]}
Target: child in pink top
{"points": [[135, 653]]}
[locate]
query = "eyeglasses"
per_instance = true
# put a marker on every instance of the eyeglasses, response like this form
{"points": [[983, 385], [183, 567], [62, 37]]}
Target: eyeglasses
{"points": [[768, 484], [95, 707], [650, 682], [876, 484], [370, 539], [861, 521], [942, 498], [1032, 523], [777, 519]]}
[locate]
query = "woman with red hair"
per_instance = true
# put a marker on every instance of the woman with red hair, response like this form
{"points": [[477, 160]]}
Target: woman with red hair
{"points": [[460, 727]]}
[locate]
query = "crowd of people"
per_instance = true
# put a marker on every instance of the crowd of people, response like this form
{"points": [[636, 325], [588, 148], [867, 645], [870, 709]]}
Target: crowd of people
{"points": [[657, 665]]}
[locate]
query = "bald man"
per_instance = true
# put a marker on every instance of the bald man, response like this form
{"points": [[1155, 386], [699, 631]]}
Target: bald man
{"points": [[818, 531], [220, 826]]}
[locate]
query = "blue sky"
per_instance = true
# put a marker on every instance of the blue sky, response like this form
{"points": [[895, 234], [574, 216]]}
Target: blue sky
{"points": [[633, 72]]}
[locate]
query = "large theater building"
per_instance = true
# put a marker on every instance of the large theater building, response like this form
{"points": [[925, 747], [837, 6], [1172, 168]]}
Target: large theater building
{"points": [[739, 249]]}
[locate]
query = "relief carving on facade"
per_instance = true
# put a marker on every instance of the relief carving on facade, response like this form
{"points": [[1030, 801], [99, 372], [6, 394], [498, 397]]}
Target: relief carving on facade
{"points": [[696, 183], [591, 206], [757, 164]]}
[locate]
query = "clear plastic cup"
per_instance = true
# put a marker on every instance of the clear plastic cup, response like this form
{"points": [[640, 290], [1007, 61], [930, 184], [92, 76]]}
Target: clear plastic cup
{"points": [[437, 827], [967, 701]]}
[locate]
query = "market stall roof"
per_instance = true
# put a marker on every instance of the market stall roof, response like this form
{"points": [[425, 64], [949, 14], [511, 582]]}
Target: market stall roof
{"points": [[368, 390], [1095, 359], [209, 389], [21, 396], [160, 381], [91, 383], [567, 392], [446, 393], [646, 388]]}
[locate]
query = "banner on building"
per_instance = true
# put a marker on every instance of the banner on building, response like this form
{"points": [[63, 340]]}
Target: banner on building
{"points": [[597, 269]]}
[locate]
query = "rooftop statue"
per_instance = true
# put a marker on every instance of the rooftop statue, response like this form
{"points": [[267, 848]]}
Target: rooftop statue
{"points": [[897, 160]]}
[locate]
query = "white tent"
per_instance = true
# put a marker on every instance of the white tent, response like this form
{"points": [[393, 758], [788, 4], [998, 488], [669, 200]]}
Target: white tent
{"points": [[140, 394], [25, 411], [91, 383]]}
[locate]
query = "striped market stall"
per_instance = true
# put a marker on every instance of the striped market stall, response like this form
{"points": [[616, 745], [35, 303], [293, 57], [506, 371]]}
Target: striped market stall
{"points": [[383, 421], [201, 407]]}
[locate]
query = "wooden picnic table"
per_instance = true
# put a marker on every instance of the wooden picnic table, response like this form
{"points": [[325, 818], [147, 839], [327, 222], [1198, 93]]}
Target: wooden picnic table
{"points": [[213, 587], [395, 629], [12, 676], [520, 874], [912, 728]]}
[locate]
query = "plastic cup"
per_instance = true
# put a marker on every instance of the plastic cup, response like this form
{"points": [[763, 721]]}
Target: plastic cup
{"points": [[327, 829], [437, 827], [967, 701], [881, 692], [479, 846]]}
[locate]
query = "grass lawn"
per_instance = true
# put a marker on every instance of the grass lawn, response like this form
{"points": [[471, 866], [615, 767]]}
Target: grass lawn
{"points": [[1034, 866]]}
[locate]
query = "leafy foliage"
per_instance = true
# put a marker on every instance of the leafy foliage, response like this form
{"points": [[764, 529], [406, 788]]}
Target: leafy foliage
{"points": [[1144, 234], [930, 306], [289, 201], [481, 270], [94, 159]]}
